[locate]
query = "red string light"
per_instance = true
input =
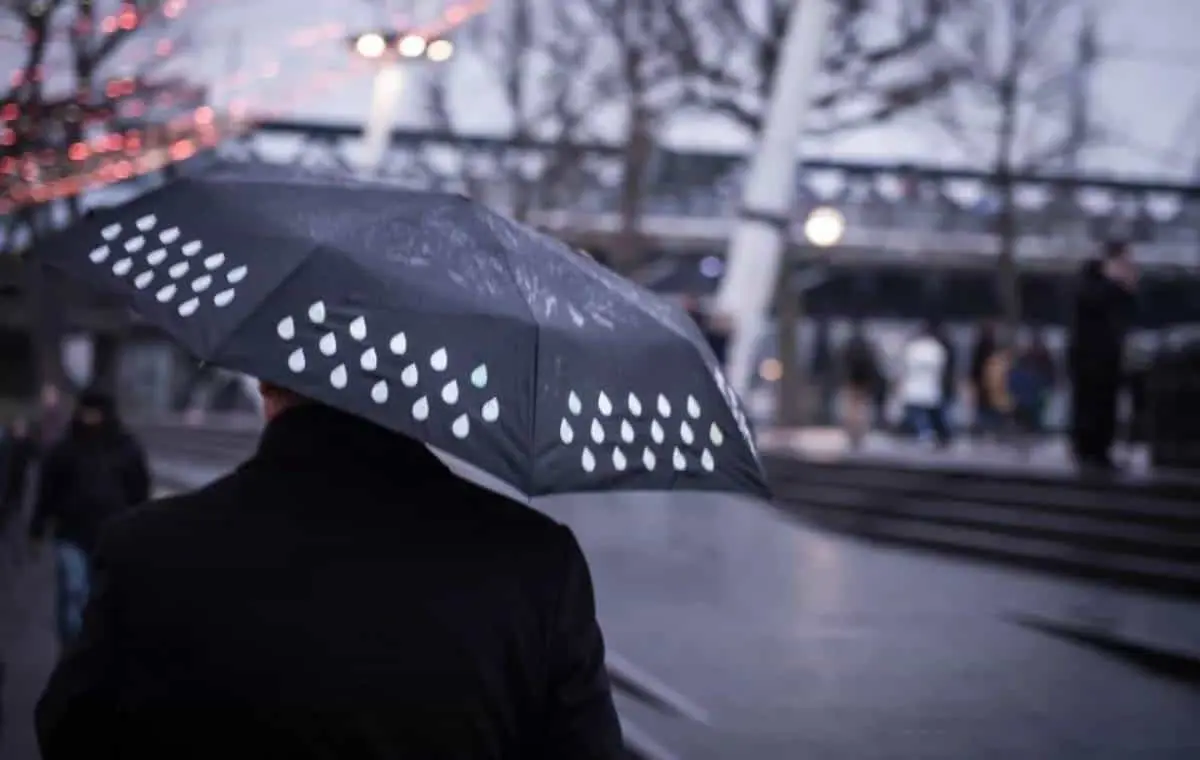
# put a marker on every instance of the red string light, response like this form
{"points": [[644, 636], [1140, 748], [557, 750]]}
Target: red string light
{"points": [[119, 156]]}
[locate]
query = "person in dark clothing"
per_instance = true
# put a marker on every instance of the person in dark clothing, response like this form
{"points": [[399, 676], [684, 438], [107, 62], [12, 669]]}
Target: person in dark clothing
{"points": [[1032, 380], [17, 453], [93, 473], [860, 377], [987, 417], [1104, 305], [715, 330], [340, 595]]}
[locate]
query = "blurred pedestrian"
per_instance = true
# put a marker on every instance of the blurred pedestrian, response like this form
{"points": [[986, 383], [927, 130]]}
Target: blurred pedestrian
{"points": [[1103, 309], [941, 414], [861, 375], [822, 371], [714, 327], [17, 453], [341, 594], [996, 391], [921, 386], [987, 419], [1032, 380], [1139, 359], [94, 472], [17, 450]]}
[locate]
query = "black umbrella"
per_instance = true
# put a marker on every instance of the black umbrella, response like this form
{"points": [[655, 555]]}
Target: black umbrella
{"points": [[433, 316]]}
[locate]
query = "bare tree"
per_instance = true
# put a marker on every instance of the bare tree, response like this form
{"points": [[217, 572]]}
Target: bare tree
{"points": [[46, 133], [44, 138], [542, 61], [1023, 102], [646, 85], [881, 58]]}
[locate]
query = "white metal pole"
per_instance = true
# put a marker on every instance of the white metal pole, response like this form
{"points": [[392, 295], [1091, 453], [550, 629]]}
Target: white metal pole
{"points": [[760, 235], [385, 102]]}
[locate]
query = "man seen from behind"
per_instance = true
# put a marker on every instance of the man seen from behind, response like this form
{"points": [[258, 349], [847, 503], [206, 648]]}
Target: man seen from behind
{"points": [[340, 595]]}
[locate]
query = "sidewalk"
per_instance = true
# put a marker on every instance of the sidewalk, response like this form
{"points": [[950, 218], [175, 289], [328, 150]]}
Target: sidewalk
{"points": [[1118, 616], [1048, 456]]}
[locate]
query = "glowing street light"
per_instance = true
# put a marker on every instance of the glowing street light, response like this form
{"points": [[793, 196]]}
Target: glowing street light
{"points": [[393, 46], [825, 227], [390, 50], [370, 45], [440, 50], [412, 46]]}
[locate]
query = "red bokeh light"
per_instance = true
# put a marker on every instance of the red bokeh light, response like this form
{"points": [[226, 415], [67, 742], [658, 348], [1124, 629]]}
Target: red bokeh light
{"points": [[49, 176]]}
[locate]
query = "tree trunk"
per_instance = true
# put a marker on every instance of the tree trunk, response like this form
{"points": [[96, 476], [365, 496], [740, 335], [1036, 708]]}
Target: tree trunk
{"points": [[1008, 280], [629, 249]]}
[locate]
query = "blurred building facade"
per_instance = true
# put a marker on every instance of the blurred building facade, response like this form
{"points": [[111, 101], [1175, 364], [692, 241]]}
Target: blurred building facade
{"points": [[919, 242]]}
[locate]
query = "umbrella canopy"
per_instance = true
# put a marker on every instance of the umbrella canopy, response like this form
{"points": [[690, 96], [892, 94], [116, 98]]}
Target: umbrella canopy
{"points": [[430, 315]]}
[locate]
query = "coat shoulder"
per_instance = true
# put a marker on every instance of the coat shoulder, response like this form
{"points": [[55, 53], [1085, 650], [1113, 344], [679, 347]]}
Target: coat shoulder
{"points": [[155, 522]]}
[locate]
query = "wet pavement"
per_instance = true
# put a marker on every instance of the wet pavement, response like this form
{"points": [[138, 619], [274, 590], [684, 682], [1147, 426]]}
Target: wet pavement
{"points": [[801, 644], [1048, 455]]}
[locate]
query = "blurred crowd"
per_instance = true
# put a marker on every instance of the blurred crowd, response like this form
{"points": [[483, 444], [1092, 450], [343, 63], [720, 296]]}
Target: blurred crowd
{"points": [[1008, 379], [1004, 384]]}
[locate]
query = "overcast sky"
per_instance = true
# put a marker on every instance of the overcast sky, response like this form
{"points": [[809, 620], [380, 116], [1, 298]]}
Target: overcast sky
{"points": [[1149, 94]]}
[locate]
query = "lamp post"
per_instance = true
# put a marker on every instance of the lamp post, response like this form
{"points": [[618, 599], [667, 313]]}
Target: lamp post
{"points": [[756, 248], [824, 227], [391, 51]]}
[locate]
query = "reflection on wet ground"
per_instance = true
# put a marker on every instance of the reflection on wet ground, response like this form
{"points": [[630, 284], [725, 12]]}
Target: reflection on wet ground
{"points": [[801, 644]]}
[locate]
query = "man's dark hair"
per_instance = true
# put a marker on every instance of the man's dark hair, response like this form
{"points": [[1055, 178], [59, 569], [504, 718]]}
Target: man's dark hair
{"points": [[1115, 249], [98, 399]]}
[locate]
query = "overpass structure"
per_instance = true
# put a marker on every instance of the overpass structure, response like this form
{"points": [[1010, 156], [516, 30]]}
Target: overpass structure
{"points": [[937, 224], [904, 214]]}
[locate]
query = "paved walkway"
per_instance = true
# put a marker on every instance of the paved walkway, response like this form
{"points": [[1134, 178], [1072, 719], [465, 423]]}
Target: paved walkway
{"points": [[801, 644], [1045, 456]]}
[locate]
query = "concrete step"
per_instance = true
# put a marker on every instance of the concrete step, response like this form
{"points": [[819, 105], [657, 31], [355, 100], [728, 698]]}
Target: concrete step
{"points": [[1185, 487], [1031, 550], [1079, 529], [1094, 499]]}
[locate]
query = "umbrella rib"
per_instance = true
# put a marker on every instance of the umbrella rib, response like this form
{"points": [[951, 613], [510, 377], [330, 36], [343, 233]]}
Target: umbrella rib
{"points": [[577, 263], [537, 348], [229, 335]]}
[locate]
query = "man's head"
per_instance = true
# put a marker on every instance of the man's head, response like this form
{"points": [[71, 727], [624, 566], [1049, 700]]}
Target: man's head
{"points": [[1118, 263], [277, 400], [1116, 250], [94, 408]]}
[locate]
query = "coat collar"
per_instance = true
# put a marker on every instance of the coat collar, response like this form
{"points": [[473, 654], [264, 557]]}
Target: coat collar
{"points": [[312, 435]]}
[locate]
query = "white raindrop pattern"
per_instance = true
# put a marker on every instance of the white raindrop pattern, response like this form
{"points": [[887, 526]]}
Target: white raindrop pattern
{"points": [[735, 408], [431, 387], [177, 271], [633, 432]]}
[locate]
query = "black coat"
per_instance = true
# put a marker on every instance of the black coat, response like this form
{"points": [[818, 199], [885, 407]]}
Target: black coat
{"points": [[1102, 315], [16, 459], [87, 477], [341, 595]]}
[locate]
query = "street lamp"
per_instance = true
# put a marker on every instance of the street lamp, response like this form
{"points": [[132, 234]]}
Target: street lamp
{"points": [[391, 50], [824, 227]]}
